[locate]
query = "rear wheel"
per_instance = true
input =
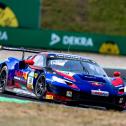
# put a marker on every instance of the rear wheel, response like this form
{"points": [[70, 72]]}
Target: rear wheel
{"points": [[3, 78], [40, 87]]}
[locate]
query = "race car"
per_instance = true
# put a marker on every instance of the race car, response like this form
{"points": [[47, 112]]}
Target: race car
{"points": [[64, 78]]}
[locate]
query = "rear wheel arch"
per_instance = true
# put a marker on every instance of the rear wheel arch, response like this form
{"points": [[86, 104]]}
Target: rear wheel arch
{"points": [[3, 79], [2, 65]]}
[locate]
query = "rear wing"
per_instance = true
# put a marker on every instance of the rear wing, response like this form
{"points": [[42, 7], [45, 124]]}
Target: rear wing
{"points": [[23, 50]]}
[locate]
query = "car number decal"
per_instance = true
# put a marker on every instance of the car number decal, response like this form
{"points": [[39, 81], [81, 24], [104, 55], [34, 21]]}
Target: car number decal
{"points": [[30, 80]]}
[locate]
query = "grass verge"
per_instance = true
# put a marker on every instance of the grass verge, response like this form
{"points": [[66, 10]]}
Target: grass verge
{"points": [[12, 114], [100, 16]]}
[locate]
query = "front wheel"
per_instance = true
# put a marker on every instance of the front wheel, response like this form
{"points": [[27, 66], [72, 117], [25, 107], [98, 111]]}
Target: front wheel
{"points": [[40, 87], [3, 78]]}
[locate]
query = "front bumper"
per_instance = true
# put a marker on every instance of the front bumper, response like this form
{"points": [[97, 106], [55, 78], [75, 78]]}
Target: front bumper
{"points": [[61, 94]]}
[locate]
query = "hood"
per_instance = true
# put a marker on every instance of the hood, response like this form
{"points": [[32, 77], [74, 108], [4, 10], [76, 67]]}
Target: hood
{"points": [[91, 83], [88, 77]]}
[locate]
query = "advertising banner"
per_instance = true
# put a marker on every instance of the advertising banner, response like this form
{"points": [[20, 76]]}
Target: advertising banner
{"points": [[60, 40], [20, 13]]}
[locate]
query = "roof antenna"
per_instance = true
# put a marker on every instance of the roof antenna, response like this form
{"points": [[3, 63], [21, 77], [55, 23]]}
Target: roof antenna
{"points": [[68, 48], [23, 53]]}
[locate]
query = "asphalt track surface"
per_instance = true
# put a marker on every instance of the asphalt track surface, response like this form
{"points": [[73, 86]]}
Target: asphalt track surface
{"points": [[6, 54], [34, 100]]}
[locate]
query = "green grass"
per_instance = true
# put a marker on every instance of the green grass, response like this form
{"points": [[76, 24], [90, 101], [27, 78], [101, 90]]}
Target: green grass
{"points": [[100, 16]]}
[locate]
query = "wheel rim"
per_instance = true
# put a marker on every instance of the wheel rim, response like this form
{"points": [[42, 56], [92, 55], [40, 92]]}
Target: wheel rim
{"points": [[3, 79], [40, 87]]}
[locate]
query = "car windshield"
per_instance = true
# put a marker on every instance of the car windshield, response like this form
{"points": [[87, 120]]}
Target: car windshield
{"points": [[77, 66]]}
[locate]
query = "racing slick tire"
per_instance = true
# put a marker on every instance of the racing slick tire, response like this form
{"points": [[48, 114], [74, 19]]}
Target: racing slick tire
{"points": [[40, 87], [3, 78]]}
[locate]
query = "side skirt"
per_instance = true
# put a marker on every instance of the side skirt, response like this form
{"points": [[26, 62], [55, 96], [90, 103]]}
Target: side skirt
{"points": [[21, 92]]}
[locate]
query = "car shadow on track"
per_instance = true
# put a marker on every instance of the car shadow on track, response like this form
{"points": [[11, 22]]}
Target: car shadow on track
{"points": [[80, 106]]}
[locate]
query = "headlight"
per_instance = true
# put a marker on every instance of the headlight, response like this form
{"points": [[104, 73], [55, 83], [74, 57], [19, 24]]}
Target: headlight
{"points": [[60, 80], [125, 89], [57, 79], [121, 91]]}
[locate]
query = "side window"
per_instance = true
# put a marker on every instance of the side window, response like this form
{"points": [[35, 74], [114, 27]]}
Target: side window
{"points": [[39, 60], [29, 57]]}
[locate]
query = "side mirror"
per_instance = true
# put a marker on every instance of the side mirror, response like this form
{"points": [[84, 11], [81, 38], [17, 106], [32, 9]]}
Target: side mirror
{"points": [[24, 64], [29, 62], [116, 74]]}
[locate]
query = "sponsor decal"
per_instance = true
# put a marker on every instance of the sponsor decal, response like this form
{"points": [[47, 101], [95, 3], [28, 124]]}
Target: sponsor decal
{"points": [[21, 74], [96, 83], [71, 40], [7, 16], [3, 35], [30, 83], [68, 56], [69, 93], [100, 93], [50, 97], [36, 75], [19, 79], [109, 47]]}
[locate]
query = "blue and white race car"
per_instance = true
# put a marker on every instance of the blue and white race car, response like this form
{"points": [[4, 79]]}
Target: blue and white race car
{"points": [[63, 78]]}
